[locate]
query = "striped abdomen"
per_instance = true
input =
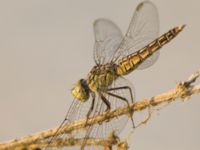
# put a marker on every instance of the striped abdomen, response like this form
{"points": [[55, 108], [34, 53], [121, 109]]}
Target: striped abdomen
{"points": [[130, 62]]}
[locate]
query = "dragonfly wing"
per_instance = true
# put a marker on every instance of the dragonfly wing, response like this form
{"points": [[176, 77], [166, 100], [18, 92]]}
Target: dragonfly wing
{"points": [[119, 88], [107, 39], [143, 29], [77, 110], [115, 124]]}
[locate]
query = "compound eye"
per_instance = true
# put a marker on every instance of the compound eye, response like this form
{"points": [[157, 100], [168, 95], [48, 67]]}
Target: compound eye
{"points": [[82, 81], [84, 84]]}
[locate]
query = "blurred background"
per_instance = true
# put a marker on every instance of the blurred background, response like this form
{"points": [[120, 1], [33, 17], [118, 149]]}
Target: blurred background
{"points": [[46, 46]]}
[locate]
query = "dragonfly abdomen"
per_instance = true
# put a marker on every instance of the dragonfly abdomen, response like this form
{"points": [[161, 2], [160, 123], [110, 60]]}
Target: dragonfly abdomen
{"points": [[131, 62]]}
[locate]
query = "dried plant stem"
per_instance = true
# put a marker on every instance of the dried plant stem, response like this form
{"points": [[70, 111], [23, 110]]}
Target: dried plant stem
{"points": [[182, 90]]}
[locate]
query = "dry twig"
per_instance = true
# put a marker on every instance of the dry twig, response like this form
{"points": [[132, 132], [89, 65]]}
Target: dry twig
{"points": [[182, 90]]}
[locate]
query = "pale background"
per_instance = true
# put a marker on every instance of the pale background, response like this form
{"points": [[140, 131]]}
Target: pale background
{"points": [[46, 46]]}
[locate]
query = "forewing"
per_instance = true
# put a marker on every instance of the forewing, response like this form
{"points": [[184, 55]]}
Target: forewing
{"points": [[107, 39], [77, 110], [143, 29]]}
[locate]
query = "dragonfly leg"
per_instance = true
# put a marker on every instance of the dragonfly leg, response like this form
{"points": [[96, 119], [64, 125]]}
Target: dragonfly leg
{"points": [[123, 87], [89, 129], [91, 108], [123, 99], [106, 102]]}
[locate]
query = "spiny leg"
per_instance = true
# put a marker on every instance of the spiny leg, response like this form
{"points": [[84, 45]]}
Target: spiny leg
{"points": [[91, 108], [123, 87], [105, 101], [90, 127], [123, 99], [88, 115], [127, 88]]}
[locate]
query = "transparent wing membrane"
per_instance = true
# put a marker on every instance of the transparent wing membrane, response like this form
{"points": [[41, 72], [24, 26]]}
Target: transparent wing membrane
{"points": [[110, 45], [79, 110], [143, 29], [116, 125], [107, 39]]}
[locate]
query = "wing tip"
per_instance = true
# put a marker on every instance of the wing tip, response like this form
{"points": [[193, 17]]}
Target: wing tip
{"points": [[101, 19], [140, 5]]}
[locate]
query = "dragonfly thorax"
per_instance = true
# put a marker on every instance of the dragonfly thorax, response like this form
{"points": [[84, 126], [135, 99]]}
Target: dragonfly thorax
{"points": [[101, 77]]}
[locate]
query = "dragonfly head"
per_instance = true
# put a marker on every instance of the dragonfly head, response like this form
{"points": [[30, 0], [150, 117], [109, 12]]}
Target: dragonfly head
{"points": [[80, 91]]}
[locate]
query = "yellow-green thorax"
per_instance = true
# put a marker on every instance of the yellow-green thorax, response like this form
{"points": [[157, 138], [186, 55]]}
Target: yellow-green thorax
{"points": [[101, 77]]}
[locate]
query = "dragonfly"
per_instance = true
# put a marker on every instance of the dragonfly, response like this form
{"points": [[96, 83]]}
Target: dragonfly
{"points": [[105, 87]]}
